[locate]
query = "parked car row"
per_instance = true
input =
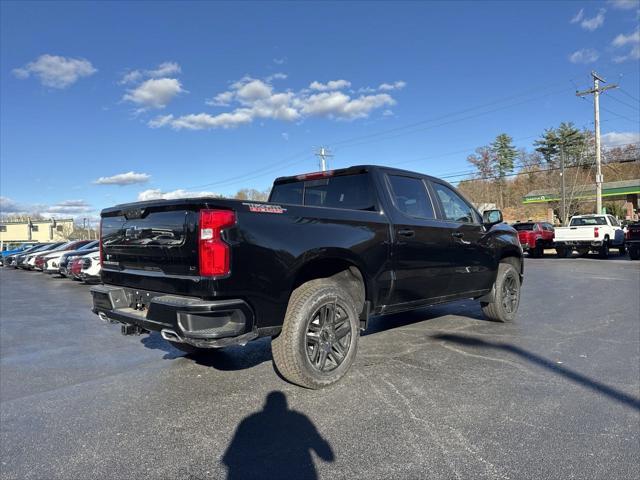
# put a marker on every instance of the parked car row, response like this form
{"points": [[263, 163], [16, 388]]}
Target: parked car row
{"points": [[77, 260], [585, 234]]}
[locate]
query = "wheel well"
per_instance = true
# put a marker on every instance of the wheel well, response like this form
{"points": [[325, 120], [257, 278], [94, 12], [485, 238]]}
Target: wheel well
{"points": [[513, 259], [342, 271]]}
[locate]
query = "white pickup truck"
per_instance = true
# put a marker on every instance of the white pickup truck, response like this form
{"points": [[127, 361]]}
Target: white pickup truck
{"points": [[589, 232]]}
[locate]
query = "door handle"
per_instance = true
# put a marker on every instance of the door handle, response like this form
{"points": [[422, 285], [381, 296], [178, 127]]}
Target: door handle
{"points": [[406, 232], [460, 237]]}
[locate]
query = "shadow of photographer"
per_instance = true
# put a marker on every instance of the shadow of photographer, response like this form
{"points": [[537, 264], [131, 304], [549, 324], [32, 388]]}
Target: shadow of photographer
{"points": [[275, 442]]}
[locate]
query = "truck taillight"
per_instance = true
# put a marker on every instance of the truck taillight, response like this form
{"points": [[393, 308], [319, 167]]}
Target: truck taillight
{"points": [[213, 251], [596, 232], [100, 243]]}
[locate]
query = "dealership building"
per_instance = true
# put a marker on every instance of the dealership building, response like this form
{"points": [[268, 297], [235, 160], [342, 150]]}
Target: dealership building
{"points": [[36, 230]]}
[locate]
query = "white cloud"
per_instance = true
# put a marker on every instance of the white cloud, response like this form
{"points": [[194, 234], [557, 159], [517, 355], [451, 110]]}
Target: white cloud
{"points": [[340, 105], [634, 54], [165, 69], [160, 121], [277, 76], [578, 16], [154, 93], [285, 135], [622, 39], [253, 90], [399, 85], [330, 85], [67, 208], [128, 178], [280, 61], [586, 55], [258, 99], [616, 139], [157, 194], [625, 4], [55, 71], [223, 99], [593, 23]]}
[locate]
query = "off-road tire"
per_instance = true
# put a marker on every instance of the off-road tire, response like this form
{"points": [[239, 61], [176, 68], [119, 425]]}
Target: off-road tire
{"points": [[634, 253], [496, 310], [290, 346]]}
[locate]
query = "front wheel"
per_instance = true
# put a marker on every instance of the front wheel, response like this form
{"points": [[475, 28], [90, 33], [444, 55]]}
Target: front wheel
{"points": [[507, 295], [319, 337]]}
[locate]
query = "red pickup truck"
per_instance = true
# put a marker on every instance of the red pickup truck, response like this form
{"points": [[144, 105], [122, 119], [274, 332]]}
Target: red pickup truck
{"points": [[632, 240], [534, 237]]}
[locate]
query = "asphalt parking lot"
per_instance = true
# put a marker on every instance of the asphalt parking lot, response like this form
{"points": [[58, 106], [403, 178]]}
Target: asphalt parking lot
{"points": [[439, 393]]}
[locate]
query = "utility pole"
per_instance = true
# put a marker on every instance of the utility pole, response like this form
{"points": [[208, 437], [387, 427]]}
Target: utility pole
{"points": [[596, 110], [323, 153], [563, 210]]}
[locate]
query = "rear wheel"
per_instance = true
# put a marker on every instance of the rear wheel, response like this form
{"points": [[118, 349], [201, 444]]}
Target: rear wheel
{"points": [[537, 251], [563, 252], [583, 252], [319, 337], [507, 295], [634, 253], [622, 249]]}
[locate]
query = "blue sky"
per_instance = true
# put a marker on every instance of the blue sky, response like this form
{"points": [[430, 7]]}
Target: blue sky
{"points": [[213, 97]]}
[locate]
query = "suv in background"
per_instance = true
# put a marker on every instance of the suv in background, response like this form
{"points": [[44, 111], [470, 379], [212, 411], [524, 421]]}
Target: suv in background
{"points": [[535, 237]]}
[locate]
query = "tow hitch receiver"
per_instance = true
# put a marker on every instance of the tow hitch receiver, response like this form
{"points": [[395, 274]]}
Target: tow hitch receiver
{"points": [[128, 329]]}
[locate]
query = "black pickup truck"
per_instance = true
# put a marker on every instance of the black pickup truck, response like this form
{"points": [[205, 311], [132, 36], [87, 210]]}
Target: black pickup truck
{"points": [[307, 268]]}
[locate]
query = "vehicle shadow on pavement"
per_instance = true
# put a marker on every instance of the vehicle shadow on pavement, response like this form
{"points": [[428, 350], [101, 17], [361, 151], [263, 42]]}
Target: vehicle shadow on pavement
{"points": [[226, 359], [275, 442], [382, 323], [575, 377]]}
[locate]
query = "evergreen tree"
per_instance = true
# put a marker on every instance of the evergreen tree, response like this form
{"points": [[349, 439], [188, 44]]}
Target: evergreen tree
{"points": [[575, 144], [504, 154]]}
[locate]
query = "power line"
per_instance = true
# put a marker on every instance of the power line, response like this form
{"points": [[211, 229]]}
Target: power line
{"points": [[613, 97], [629, 95]]}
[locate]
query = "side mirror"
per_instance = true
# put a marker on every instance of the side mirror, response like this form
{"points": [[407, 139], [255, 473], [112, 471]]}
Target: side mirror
{"points": [[491, 217]]}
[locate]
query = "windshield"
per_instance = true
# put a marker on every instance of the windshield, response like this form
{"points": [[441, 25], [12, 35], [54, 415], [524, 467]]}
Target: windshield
{"points": [[524, 226], [587, 221]]}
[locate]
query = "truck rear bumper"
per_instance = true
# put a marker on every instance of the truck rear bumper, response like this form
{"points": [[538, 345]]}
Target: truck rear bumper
{"points": [[579, 243], [201, 323]]}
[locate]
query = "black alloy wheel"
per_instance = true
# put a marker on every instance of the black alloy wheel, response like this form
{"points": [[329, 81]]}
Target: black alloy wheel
{"points": [[328, 336]]}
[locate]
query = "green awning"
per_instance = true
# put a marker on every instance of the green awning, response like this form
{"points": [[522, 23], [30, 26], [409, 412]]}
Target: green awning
{"points": [[586, 192]]}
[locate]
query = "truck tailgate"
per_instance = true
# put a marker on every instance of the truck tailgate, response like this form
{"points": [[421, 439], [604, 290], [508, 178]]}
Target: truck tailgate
{"points": [[563, 234], [151, 240]]}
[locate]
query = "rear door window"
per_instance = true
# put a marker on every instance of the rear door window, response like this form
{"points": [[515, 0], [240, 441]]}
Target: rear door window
{"points": [[410, 196]]}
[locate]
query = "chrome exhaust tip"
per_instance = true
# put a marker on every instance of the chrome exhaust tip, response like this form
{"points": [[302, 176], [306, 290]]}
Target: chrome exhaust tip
{"points": [[171, 336]]}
